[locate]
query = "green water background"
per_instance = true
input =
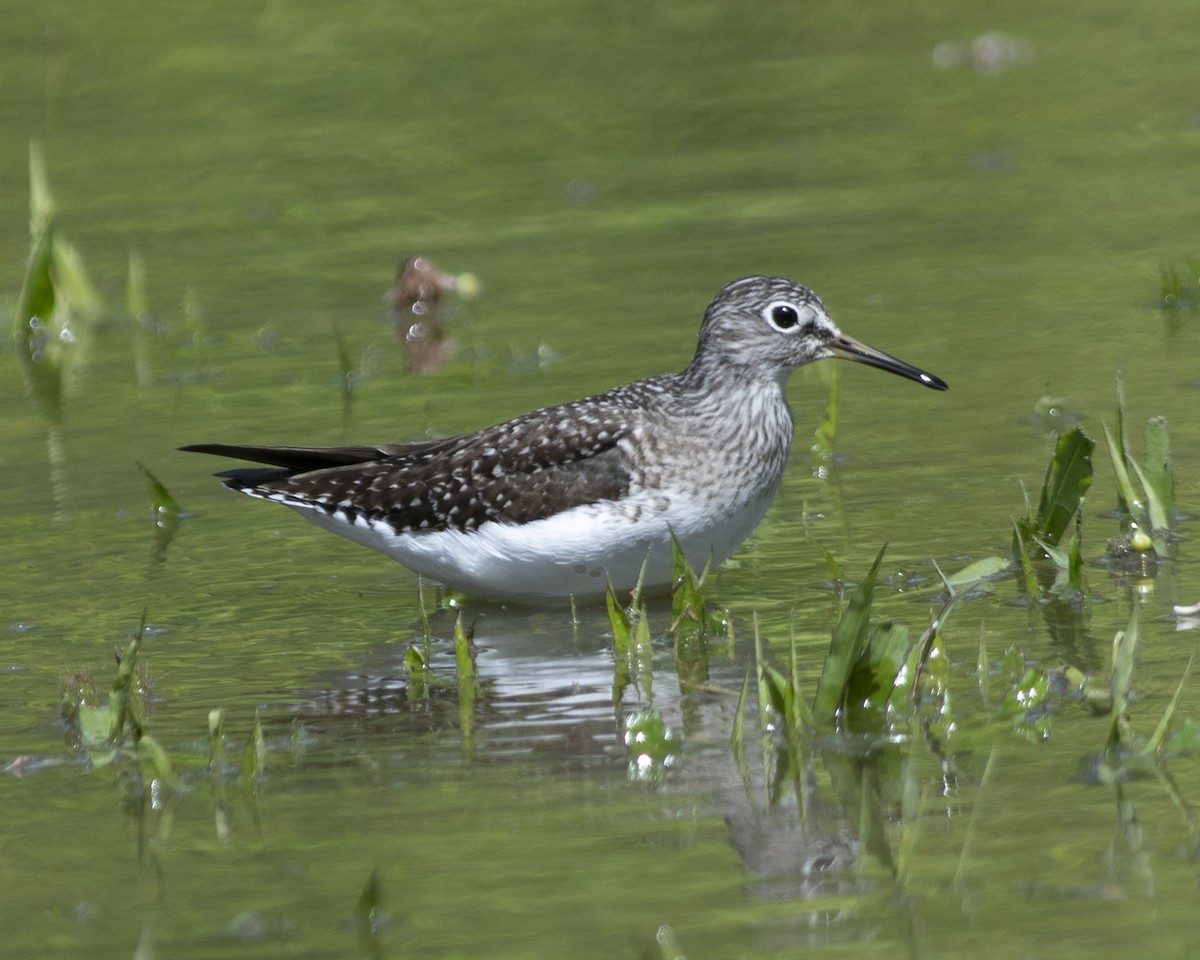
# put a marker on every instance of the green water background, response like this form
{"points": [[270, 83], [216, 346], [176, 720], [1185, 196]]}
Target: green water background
{"points": [[603, 169]]}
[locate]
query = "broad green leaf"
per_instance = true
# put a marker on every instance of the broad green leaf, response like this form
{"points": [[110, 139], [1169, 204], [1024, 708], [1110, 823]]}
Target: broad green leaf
{"points": [[95, 724], [845, 648], [973, 573], [1067, 479], [873, 678]]}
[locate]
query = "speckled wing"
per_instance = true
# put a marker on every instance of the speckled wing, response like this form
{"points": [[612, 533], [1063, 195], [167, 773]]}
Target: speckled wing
{"points": [[516, 472]]}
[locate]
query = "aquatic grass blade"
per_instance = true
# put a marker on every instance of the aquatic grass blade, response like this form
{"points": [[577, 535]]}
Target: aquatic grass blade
{"points": [[254, 758], [416, 675], [619, 622], [1154, 744], [368, 916], [154, 759], [167, 515], [1121, 681], [737, 737], [822, 451], [687, 595], [835, 569], [467, 684], [1127, 496], [1028, 581], [845, 648], [164, 504], [1158, 478], [74, 285], [35, 306], [801, 718], [122, 686], [216, 772]]}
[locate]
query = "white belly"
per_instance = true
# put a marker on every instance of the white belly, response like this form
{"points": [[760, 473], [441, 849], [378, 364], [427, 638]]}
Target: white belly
{"points": [[576, 553]]}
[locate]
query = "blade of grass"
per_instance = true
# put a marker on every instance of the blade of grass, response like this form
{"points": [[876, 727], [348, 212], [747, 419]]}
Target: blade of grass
{"points": [[1120, 681], [821, 452], [737, 738], [1127, 496], [35, 305], [216, 772], [119, 698], [466, 677], [1160, 732], [1159, 478]]}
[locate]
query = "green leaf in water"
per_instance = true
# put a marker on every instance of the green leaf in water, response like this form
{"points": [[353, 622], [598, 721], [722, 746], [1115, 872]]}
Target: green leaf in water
{"points": [[466, 677], [164, 504], [1128, 500], [846, 647], [687, 596], [1121, 682], [975, 573], [652, 745], [416, 671], [873, 678], [368, 914], [835, 568], [1068, 477], [254, 759], [155, 763], [1158, 476], [122, 687], [1164, 725], [31, 332]]}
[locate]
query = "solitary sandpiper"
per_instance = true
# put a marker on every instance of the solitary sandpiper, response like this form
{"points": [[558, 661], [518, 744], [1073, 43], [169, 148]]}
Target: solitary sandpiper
{"points": [[564, 500]]}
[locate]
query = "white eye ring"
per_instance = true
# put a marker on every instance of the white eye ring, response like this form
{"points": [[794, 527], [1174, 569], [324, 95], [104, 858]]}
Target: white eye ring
{"points": [[782, 315]]}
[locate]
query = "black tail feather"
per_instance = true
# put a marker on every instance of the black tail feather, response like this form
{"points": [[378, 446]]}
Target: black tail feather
{"points": [[291, 459]]}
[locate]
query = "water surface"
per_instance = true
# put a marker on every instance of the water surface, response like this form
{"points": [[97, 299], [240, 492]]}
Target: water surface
{"points": [[603, 170]]}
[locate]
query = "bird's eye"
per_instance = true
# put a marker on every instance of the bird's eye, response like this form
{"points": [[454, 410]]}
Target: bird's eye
{"points": [[782, 316]]}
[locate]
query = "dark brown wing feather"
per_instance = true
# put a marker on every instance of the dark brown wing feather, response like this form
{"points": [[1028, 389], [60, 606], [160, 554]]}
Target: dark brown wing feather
{"points": [[516, 472]]}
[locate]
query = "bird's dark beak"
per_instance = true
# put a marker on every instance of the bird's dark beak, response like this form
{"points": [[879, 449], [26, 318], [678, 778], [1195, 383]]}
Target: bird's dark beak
{"points": [[847, 348]]}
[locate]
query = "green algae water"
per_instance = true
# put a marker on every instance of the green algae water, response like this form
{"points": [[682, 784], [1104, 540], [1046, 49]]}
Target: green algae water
{"points": [[993, 195]]}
